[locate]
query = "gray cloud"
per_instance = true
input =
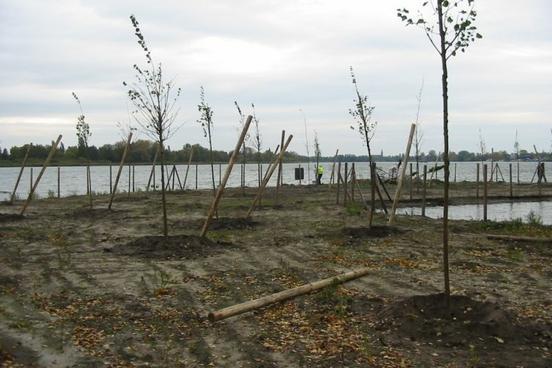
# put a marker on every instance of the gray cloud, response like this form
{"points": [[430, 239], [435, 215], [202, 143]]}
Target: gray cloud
{"points": [[282, 55]]}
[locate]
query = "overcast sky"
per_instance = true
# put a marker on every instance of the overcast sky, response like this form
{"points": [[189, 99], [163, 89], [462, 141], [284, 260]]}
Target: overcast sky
{"points": [[284, 56]]}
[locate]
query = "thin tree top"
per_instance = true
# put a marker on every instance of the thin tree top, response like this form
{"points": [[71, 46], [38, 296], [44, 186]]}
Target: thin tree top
{"points": [[458, 19]]}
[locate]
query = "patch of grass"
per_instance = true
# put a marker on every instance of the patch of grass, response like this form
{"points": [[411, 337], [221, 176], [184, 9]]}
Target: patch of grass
{"points": [[515, 254], [353, 209]]}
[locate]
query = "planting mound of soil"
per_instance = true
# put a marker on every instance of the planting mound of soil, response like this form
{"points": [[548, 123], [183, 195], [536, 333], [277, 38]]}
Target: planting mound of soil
{"points": [[170, 247], [92, 213], [9, 217], [467, 322], [376, 231], [231, 223]]}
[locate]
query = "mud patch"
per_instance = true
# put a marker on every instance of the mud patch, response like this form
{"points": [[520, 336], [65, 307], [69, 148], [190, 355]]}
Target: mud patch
{"points": [[232, 223], [10, 217], [171, 247], [466, 324], [376, 231], [93, 213]]}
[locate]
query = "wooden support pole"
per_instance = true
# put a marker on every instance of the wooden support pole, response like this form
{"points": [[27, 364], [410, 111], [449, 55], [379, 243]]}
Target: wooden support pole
{"points": [[58, 182], [152, 172], [477, 181], [345, 178], [220, 173], [383, 187], [511, 183], [338, 181], [353, 182], [424, 192], [133, 178], [220, 189], [89, 185], [279, 178], [178, 177], [455, 172], [373, 186], [129, 179], [286, 295], [196, 176], [401, 178], [269, 173], [31, 181], [332, 176], [411, 183], [485, 192], [12, 198], [188, 167], [123, 158], [46, 163], [111, 179]]}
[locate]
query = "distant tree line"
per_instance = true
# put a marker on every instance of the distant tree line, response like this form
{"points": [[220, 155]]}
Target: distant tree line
{"points": [[143, 151]]}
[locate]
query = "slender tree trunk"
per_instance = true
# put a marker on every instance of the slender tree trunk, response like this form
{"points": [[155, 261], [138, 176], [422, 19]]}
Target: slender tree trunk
{"points": [[445, 153], [163, 199]]}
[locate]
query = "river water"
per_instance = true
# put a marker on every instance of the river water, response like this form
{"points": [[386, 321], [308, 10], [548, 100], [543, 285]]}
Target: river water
{"points": [[73, 178]]}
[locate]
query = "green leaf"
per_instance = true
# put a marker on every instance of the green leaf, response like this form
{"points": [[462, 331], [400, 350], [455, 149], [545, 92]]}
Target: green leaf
{"points": [[478, 35]]}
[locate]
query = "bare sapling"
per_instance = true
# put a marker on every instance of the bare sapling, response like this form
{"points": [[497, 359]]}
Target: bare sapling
{"points": [[83, 134], [419, 135], [317, 154], [154, 100], [450, 28], [206, 122], [257, 142]]}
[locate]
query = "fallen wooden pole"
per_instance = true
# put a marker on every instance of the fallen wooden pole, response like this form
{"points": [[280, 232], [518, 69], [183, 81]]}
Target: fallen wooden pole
{"points": [[401, 178], [46, 163], [119, 172], [286, 295], [12, 198], [227, 172], [269, 173], [526, 239]]}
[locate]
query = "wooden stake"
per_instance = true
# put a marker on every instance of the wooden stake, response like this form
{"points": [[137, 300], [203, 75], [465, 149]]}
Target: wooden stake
{"points": [[338, 181], [188, 167], [58, 183], [133, 178], [268, 175], [345, 178], [485, 192], [196, 176], [111, 179], [46, 163], [89, 185], [220, 190], [119, 171], [279, 178], [152, 172], [511, 183], [332, 176], [353, 182], [411, 182], [373, 185], [286, 294], [424, 192], [31, 181], [12, 198], [477, 182], [401, 178]]}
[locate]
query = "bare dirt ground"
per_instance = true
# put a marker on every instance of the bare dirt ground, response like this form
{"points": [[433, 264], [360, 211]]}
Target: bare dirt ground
{"points": [[99, 288]]}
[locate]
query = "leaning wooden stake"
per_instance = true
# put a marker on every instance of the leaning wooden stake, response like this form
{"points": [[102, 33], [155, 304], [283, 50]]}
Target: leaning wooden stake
{"points": [[119, 171], [46, 163], [12, 198], [401, 178], [424, 192], [269, 173], [286, 295], [332, 176], [152, 172], [188, 167], [227, 172], [279, 178]]}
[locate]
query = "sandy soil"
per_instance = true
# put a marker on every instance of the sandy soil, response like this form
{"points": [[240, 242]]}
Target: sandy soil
{"points": [[95, 288]]}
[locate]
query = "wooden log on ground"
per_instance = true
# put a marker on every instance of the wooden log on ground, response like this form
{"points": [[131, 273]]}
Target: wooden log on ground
{"points": [[401, 178], [46, 163], [526, 239], [220, 189], [119, 171], [286, 295], [12, 198]]}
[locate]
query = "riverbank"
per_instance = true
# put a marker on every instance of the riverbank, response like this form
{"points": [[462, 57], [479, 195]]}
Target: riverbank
{"points": [[81, 287]]}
